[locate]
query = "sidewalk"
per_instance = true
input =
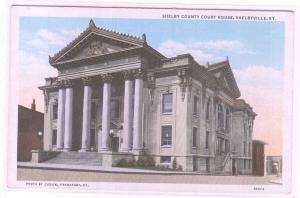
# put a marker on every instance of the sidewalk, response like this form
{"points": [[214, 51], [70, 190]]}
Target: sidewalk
{"points": [[99, 169]]}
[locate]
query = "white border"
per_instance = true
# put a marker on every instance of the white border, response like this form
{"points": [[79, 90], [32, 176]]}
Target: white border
{"points": [[288, 95]]}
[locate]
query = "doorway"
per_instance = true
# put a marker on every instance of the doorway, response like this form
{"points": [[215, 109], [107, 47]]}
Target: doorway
{"points": [[115, 144], [233, 167]]}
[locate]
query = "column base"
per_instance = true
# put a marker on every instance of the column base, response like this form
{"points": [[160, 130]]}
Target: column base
{"points": [[82, 150], [104, 150], [58, 149], [125, 150], [66, 150]]}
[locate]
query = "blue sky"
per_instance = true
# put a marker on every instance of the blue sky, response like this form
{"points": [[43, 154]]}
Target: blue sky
{"points": [[255, 50], [262, 41]]}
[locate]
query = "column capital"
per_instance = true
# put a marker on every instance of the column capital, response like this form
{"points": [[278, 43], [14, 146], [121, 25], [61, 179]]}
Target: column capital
{"points": [[138, 73], [87, 80], [127, 74], [60, 84], [68, 83], [106, 78]]}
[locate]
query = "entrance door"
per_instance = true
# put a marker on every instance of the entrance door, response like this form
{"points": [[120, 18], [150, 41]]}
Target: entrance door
{"points": [[92, 139], [115, 144], [233, 167]]}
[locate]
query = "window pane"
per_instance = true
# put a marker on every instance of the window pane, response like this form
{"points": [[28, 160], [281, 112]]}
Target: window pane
{"points": [[166, 136], [194, 137], [195, 105], [115, 109], [165, 159], [55, 109], [93, 109], [167, 102], [54, 136], [207, 110], [206, 139]]}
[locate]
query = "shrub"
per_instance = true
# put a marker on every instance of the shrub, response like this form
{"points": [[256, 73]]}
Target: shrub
{"points": [[149, 162], [174, 163], [131, 163], [140, 162], [122, 163]]}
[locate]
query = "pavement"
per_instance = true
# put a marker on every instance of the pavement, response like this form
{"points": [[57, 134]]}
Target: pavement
{"points": [[98, 168], [79, 173]]}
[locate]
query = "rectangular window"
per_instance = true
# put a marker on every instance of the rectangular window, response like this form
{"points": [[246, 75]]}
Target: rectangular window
{"points": [[195, 137], [93, 110], [55, 109], [249, 165], [54, 137], [244, 148], [245, 163], [195, 105], [167, 103], [206, 139], [249, 148], [207, 165], [195, 164], [166, 136], [115, 109], [165, 159]]}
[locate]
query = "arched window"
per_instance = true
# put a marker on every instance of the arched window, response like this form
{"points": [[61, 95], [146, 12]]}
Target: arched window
{"points": [[227, 120], [220, 117], [207, 110]]}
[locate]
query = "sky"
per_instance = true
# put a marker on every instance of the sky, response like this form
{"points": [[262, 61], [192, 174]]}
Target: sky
{"points": [[255, 50]]}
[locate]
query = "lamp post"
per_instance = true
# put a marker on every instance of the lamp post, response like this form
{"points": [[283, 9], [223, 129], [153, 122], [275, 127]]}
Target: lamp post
{"points": [[40, 134]]}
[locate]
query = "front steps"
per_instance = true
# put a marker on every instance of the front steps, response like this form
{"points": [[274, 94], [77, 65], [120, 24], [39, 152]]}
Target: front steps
{"points": [[219, 168], [77, 158]]}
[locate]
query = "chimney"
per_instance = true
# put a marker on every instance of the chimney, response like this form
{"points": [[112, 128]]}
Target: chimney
{"points": [[33, 105]]}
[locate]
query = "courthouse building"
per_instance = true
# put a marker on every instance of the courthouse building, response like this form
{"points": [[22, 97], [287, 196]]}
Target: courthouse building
{"points": [[117, 96]]}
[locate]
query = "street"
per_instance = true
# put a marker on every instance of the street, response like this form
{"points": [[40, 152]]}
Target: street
{"points": [[32, 174]]}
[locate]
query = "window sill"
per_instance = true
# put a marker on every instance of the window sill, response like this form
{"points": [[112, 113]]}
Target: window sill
{"points": [[165, 146], [166, 113]]}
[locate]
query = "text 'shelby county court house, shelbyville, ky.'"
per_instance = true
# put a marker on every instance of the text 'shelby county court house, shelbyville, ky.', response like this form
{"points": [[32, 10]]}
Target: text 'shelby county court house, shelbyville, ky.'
{"points": [[117, 97]]}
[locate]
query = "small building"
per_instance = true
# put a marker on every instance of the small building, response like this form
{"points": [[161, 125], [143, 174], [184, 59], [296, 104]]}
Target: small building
{"points": [[30, 122], [274, 165], [258, 158]]}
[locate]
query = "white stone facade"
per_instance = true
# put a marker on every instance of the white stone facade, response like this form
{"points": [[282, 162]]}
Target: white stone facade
{"points": [[114, 93]]}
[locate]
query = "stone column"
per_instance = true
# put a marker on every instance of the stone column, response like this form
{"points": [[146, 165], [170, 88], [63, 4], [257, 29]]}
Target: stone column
{"points": [[138, 106], [127, 126], [60, 117], [107, 78], [86, 115], [68, 116]]}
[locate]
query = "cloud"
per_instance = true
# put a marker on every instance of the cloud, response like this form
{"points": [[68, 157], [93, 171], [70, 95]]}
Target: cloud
{"points": [[32, 71], [37, 43], [224, 45], [262, 87], [51, 38], [43, 38], [173, 48]]}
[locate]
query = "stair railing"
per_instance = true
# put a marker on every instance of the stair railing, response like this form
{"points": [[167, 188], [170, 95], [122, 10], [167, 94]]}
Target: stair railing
{"points": [[228, 155]]}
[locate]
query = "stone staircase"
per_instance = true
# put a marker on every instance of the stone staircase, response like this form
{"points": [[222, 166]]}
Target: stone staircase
{"points": [[77, 158], [219, 165], [219, 162]]}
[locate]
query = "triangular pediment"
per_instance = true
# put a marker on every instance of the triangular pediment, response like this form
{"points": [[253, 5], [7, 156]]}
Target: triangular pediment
{"points": [[222, 71], [94, 45], [96, 41]]}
